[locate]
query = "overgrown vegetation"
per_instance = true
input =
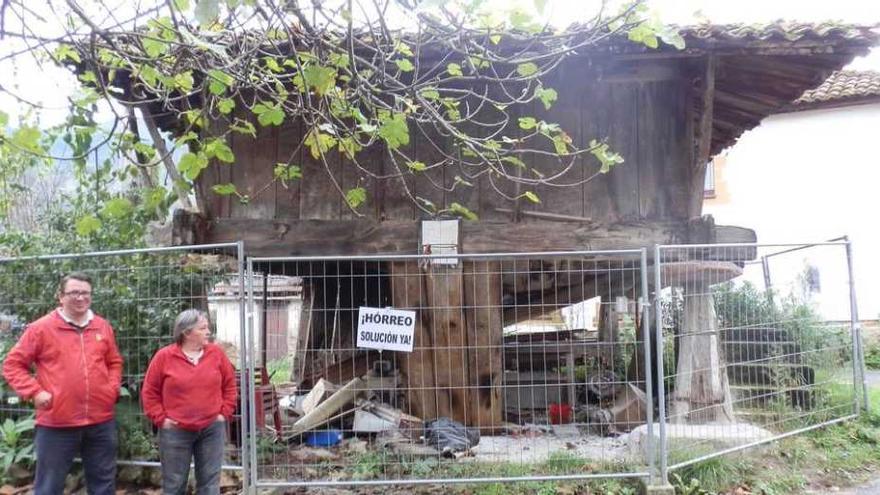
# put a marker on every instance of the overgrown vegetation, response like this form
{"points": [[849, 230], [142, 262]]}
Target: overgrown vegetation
{"points": [[16, 445], [140, 294], [468, 78], [839, 455], [834, 456], [872, 356]]}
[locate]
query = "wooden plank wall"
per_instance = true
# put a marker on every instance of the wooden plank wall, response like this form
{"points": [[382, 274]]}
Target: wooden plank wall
{"points": [[644, 120]]}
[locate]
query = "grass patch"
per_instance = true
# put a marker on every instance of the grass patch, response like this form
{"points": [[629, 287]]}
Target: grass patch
{"points": [[838, 455], [872, 356]]}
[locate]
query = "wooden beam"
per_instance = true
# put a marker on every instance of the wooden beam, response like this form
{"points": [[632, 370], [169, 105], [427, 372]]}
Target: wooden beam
{"points": [[746, 102], [287, 237], [553, 217], [642, 71], [167, 160], [704, 139]]}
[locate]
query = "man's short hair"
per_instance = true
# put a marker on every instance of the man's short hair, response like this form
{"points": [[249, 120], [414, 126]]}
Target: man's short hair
{"points": [[81, 276]]}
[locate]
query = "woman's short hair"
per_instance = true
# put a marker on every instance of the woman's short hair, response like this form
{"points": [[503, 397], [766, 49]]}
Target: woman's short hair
{"points": [[186, 321]]}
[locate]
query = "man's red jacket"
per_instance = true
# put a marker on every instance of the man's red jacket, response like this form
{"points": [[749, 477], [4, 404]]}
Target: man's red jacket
{"points": [[81, 369], [192, 395]]}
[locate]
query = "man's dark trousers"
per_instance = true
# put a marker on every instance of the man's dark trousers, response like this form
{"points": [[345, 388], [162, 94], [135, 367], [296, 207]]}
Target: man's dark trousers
{"points": [[57, 447]]}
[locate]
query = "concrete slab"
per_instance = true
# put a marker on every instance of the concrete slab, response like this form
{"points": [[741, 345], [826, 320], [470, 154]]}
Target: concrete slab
{"points": [[713, 436], [658, 489], [533, 448]]}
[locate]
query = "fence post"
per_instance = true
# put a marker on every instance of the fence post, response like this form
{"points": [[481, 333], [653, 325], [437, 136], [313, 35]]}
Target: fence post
{"points": [[645, 311], [661, 392], [248, 350], [243, 387], [768, 284], [856, 331]]}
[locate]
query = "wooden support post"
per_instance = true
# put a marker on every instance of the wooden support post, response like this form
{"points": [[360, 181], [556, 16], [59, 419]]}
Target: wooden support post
{"points": [[704, 139], [455, 369], [299, 354], [448, 328], [702, 393], [408, 292], [608, 329], [482, 298]]}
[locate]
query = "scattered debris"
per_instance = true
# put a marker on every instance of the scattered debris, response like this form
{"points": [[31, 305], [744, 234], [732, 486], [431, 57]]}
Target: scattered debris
{"points": [[322, 390], [312, 455], [292, 404], [629, 409], [604, 384], [355, 446], [527, 430], [367, 422], [450, 436], [400, 444], [627, 412], [324, 438], [325, 410]]}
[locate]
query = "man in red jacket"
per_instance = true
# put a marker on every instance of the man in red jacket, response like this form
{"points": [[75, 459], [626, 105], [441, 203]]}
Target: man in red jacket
{"points": [[79, 371]]}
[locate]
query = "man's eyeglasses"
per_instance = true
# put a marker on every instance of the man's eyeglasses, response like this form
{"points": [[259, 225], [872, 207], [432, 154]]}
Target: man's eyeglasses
{"points": [[78, 294]]}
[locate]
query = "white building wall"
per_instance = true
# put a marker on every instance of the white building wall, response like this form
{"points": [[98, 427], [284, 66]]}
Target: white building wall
{"points": [[811, 176], [227, 320], [227, 328], [294, 310]]}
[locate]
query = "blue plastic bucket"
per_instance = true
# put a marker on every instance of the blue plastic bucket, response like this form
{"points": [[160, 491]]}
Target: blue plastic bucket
{"points": [[325, 438]]}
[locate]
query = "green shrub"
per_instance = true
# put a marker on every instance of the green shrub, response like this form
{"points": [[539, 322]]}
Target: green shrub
{"points": [[136, 439], [16, 444], [872, 356]]}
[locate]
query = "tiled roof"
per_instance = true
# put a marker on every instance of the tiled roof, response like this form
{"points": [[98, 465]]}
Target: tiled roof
{"points": [[844, 85], [773, 35], [780, 31], [765, 67]]}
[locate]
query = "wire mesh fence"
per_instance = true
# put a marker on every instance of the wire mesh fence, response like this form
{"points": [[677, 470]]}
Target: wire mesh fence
{"points": [[758, 343], [469, 368], [139, 292], [425, 369]]}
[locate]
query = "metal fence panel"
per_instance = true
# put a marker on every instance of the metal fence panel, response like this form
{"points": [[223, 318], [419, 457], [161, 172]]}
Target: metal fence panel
{"points": [[542, 354], [548, 356], [140, 292], [758, 343]]}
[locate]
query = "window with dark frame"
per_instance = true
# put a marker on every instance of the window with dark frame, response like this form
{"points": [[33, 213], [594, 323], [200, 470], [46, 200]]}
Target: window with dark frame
{"points": [[709, 184]]}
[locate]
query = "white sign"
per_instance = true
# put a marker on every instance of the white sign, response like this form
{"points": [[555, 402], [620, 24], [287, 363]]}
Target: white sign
{"points": [[385, 328], [440, 237]]}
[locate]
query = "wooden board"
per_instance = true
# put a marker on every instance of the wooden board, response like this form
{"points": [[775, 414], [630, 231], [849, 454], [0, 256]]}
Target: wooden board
{"points": [[253, 173], [623, 138], [597, 200], [417, 367], [482, 299], [443, 310], [455, 369], [288, 193], [664, 146], [288, 237]]}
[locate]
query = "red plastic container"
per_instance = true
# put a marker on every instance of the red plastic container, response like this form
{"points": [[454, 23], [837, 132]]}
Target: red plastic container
{"points": [[559, 413]]}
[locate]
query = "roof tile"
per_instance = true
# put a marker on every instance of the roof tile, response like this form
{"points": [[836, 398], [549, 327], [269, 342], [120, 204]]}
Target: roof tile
{"points": [[843, 85]]}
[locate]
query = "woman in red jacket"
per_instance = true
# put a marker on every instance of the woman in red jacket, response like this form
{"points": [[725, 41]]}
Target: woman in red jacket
{"points": [[190, 393]]}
